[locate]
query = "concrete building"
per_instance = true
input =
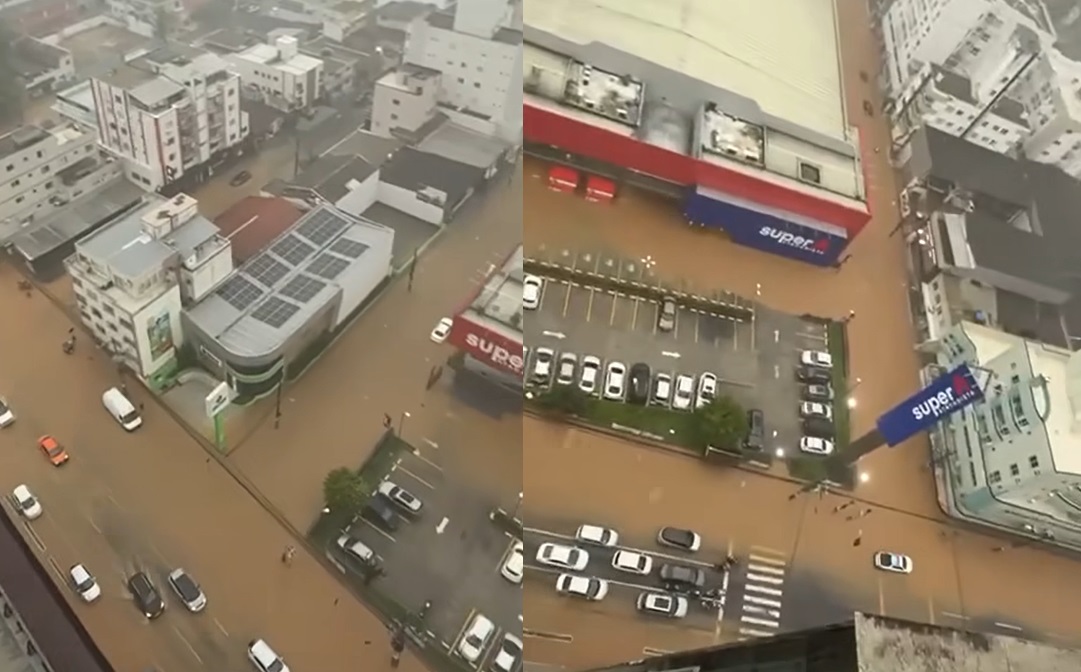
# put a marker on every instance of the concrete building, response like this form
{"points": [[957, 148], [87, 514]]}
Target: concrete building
{"points": [[44, 168], [285, 78], [480, 59], [132, 277], [754, 137], [427, 186], [43, 67], [342, 19], [41, 17], [150, 18], [307, 284], [405, 99], [345, 70], [397, 15], [169, 119]]}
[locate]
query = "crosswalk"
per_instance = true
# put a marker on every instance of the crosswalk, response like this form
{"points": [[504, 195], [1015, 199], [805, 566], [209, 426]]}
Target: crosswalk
{"points": [[760, 611]]}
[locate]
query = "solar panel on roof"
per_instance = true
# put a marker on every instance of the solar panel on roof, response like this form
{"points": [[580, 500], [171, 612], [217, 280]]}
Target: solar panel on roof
{"points": [[323, 226], [239, 292], [348, 248], [302, 288], [292, 249], [266, 270], [275, 312], [327, 266]]}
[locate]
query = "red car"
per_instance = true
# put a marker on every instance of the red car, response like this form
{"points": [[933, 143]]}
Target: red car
{"points": [[53, 450]]}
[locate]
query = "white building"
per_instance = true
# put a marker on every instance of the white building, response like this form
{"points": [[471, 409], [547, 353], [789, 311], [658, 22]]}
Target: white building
{"points": [[132, 277], [1015, 458], [405, 99], [171, 121], [479, 56], [150, 18], [286, 78], [42, 169]]}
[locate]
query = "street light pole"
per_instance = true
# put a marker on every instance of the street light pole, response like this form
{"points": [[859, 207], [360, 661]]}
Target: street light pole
{"points": [[517, 506], [401, 421]]}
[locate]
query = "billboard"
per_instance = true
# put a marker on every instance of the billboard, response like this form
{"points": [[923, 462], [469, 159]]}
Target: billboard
{"points": [[765, 231], [946, 395], [487, 345]]}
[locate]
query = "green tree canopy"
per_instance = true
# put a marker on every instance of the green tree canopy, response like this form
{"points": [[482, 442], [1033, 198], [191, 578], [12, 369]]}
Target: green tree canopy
{"points": [[722, 424], [344, 490], [565, 400]]}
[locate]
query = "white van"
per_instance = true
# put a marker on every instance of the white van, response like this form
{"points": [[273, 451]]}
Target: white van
{"points": [[121, 409]]}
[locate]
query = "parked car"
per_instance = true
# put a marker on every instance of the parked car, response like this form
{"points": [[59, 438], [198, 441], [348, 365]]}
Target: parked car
{"points": [[585, 587], [84, 583], [663, 604], [145, 595], [815, 445], [813, 374], [589, 374], [680, 578], [508, 655], [816, 358], [819, 427], [188, 590], [662, 390], [264, 658], [680, 538], [666, 316], [514, 566], [442, 330], [356, 549], [542, 366], [813, 409], [817, 392], [475, 638], [25, 502], [7, 416], [632, 562], [638, 389], [568, 365], [615, 381], [381, 512], [893, 562], [400, 497], [756, 430], [563, 557], [531, 292], [683, 395], [596, 536], [707, 390]]}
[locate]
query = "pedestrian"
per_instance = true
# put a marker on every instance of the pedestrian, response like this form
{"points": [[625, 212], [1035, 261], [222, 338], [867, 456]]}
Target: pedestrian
{"points": [[836, 509], [335, 601], [141, 407]]}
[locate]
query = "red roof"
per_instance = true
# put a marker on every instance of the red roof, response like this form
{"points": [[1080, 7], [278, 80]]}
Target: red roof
{"points": [[253, 222]]}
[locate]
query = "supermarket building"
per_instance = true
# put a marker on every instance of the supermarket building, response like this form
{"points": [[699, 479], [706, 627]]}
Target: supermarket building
{"points": [[488, 327], [753, 139]]}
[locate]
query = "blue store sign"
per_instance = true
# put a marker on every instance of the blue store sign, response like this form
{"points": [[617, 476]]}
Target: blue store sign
{"points": [[946, 395]]}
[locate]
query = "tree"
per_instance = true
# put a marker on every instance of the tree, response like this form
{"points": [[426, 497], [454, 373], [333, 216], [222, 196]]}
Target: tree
{"points": [[344, 490], [564, 400], [722, 424]]}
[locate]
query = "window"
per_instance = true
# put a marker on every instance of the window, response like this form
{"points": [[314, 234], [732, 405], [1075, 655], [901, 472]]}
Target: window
{"points": [[170, 140], [18, 199], [972, 472], [810, 173], [1034, 462], [1015, 470], [46, 168], [40, 154], [476, 85], [49, 184], [461, 80], [394, 117], [11, 167], [172, 156], [994, 477], [395, 101], [15, 183], [109, 309]]}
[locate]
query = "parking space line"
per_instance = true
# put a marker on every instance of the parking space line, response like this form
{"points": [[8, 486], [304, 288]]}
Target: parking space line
{"points": [[650, 651], [634, 314], [380, 531], [416, 478], [93, 524], [221, 627], [550, 636], [567, 298], [589, 306], [433, 465], [612, 313], [506, 554], [697, 326], [461, 630]]}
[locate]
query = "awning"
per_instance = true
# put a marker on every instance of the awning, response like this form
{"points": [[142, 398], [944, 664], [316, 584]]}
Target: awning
{"points": [[600, 189], [562, 178]]}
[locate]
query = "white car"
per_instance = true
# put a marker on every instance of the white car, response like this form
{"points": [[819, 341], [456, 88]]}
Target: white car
{"points": [[356, 549], [663, 604], [707, 390], [7, 416], [615, 381], [683, 395], [542, 365], [893, 562], [632, 563], [661, 394], [25, 501], [589, 374], [187, 590], [586, 587], [401, 497], [84, 583], [813, 409], [815, 445], [563, 557], [816, 358], [531, 292], [514, 565], [263, 657], [508, 655], [568, 364], [442, 330], [475, 638], [598, 536]]}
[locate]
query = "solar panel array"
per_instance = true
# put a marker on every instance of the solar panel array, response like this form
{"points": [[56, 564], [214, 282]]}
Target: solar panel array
{"points": [[322, 226], [266, 270], [327, 266], [348, 248], [292, 249], [239, 292], [302, 288], [275, 312]]}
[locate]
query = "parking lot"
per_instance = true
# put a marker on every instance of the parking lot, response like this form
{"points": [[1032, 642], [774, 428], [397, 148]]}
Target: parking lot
{"points": [[449, 554]]}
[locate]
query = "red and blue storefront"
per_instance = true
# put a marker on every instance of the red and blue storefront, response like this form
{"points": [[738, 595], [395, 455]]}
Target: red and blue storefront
{"points": [[754, 212]]}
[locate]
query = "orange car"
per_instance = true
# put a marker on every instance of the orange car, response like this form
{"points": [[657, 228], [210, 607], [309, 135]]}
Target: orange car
{"points": [[53, 450]]}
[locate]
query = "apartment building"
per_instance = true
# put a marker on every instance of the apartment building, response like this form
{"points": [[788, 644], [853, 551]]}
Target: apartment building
{"points": [[284, 78], [169, 116], [150, 18], [131, 278], [404, 100], [43, 168]]}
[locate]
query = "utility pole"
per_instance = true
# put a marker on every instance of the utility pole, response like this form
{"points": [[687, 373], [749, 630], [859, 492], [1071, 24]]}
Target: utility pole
{"points": [[278, 400]]}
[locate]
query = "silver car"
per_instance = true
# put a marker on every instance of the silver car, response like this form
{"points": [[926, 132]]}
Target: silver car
{"points": [[666, 317]]}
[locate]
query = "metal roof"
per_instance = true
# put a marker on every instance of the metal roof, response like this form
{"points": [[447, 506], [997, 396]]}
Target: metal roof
{"points": [[463, 145]]}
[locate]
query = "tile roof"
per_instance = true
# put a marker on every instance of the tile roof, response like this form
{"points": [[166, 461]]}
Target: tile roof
{"points": [[254, 221]]}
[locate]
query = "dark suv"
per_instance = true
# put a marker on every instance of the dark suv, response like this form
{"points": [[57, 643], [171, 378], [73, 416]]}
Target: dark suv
{"points": [[756, 430], [379, 511], [638, 383], [817, 427], [680, 578], [146, 596], [813, 374]]}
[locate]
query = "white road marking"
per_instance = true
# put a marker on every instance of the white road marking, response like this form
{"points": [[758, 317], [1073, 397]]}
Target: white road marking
{"points": [[416, 478], [433, 444], [776, 371], [439, 529], [762, 611], [380, 531], [221, 627], [776, 335], [762, 578], [1009, 626], [762, 589], [759, 621], [950, 614], [650, 651], [191, 648], [94, 525], [755, 633], [767, 559], [766, 569], [754, 599], [433, 465]]}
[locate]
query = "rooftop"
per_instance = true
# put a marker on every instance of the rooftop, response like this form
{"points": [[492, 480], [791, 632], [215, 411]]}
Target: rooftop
{"points": [[787, 63], [270, 55], [33, 57], [375, 149], [463, 145], [21, 138], [255, 311], [417, 170], [499, 301], [404, 10], [253, 222]]}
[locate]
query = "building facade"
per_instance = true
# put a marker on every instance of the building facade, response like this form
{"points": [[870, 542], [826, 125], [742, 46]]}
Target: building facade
{"points": [[132, 277], [150, 18], [284, 78], [405, 99], [168, 121]]}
